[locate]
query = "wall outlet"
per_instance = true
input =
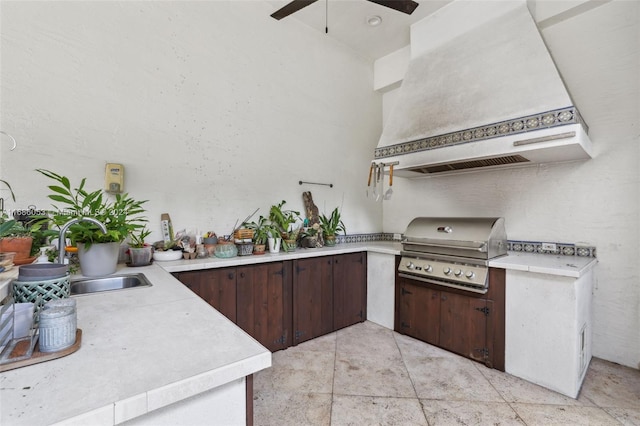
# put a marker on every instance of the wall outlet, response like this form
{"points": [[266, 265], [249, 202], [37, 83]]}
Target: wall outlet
{"points": [[549, 246]]}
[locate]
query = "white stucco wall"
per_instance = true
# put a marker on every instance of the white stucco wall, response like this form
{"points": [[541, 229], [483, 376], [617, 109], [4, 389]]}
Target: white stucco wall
{"points": [[213, 107], [596, 202]]}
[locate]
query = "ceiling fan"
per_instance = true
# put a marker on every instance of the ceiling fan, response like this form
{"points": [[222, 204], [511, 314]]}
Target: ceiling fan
{"points": [[405, 6]]}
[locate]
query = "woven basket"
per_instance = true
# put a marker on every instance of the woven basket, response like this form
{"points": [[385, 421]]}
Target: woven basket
{"points": [[40, 292], [243, 234]]}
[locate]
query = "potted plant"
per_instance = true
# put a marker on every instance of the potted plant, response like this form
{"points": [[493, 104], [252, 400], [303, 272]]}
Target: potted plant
{"points": [[14, 237], [285, 222], [262, 230], [331, 226], [140, 252], [97, 250]]}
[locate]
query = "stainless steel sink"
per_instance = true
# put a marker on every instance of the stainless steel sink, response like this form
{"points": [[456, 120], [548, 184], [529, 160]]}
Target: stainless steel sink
{"points": [[113, 282]]}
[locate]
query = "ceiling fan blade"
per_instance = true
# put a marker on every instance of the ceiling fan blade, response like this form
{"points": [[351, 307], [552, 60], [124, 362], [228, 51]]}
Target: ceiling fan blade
{"points": [[405, 6], [290, 8]]}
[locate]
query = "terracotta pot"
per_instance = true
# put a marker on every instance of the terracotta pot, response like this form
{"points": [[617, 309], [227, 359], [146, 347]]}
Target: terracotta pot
{"points": [[259, 248], [20, 245]]}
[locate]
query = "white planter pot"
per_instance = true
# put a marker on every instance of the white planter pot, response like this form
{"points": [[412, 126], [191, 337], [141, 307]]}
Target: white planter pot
{"points": [[99, 259], [274, 245]]}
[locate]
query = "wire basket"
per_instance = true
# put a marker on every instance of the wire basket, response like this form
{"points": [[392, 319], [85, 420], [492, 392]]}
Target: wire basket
{"points": [[244, 249], [40, 292]]}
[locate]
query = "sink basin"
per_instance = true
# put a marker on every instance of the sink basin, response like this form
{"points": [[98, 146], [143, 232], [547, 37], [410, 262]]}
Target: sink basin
{"points": [[113, 282]]}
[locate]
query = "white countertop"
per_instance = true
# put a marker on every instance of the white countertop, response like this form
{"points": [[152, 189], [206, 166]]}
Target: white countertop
{"points": [[565, 266], [142, 349], [387, 247]]}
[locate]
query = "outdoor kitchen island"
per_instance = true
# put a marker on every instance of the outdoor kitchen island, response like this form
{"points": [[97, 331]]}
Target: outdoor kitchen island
{"points": [[148, 348]]}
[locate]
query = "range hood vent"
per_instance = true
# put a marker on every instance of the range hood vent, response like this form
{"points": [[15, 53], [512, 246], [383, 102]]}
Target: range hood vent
{"points": [[487, 97], [464, 165]]}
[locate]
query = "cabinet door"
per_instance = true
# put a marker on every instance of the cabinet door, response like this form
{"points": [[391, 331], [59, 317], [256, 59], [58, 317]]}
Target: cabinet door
{"points": [[349, 289], [463, 325], [312, 298], [419, 312], [264, 303], [216, 286]]}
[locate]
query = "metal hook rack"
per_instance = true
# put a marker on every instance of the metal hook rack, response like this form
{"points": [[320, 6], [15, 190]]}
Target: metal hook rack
{"points": [[15, 144], [330, 185]]}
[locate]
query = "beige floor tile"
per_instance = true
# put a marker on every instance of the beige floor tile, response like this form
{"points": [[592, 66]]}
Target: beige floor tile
{"points": [[291, 409], [372, 377], [626, 416], [367, 340], [364, 410], [366, 374], [469, 413], [455, 379], [515, 389], [611, 385], [410, 347], [326, 343], [297, 371], [548, 415]]}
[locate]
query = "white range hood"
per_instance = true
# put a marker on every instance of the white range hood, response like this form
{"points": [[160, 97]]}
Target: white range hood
{"points": [[490, 96]]}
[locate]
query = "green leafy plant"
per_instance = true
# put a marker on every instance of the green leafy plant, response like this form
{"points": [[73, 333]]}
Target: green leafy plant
{"points": [[121, 217], [262, 230], [13, 196], [10, 227], [332, 225], [137, 238], [283, 219]]}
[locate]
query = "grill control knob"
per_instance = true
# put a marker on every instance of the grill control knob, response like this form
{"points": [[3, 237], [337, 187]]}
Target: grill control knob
{"points": [[458, 272], [471, 275], [428, 268], [447, 271], [410, 265]]}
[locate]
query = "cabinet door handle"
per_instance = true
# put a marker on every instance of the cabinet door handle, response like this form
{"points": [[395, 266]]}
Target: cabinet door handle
{"points": [[231, 276], [443, 297], [241, 274]]}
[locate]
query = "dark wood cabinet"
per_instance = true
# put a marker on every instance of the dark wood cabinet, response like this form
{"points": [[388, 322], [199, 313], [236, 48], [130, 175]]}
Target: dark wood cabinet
{"points": [[329, 293], [264, 303], [349, 289], [216, 286], [466, 323], [312, 298], [285, 303], [256, 297]]}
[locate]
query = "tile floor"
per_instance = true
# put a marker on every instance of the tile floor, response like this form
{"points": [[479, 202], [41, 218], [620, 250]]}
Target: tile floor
{"points": [[368, 375]]}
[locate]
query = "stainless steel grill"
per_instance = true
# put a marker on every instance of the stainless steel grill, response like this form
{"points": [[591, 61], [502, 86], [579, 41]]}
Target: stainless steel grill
{"points": [[452, 252]]}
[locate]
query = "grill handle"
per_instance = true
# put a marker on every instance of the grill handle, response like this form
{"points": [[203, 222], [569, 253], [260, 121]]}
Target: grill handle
{"points": [[481, 290], [481, 249]]}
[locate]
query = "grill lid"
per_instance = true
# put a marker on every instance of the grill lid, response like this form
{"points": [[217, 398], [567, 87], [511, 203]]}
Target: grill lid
{"points": [[475, 237]]}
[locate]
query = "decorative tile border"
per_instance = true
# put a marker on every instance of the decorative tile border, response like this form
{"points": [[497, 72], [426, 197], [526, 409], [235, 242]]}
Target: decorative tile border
{"points": [[364, 238], [563, 249], [543, 120]]}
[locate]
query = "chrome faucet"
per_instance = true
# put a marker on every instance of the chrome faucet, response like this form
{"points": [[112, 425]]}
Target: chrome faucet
{"points": [[63, 231]]}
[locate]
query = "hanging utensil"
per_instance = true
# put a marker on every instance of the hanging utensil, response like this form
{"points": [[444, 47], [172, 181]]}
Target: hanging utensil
{"points": [[389, 193], [369, 181], [379, 192], [375, 181]]}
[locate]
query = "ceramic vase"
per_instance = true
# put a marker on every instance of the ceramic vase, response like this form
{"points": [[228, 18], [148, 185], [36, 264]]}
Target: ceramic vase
{"points": [[274, 245]]}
